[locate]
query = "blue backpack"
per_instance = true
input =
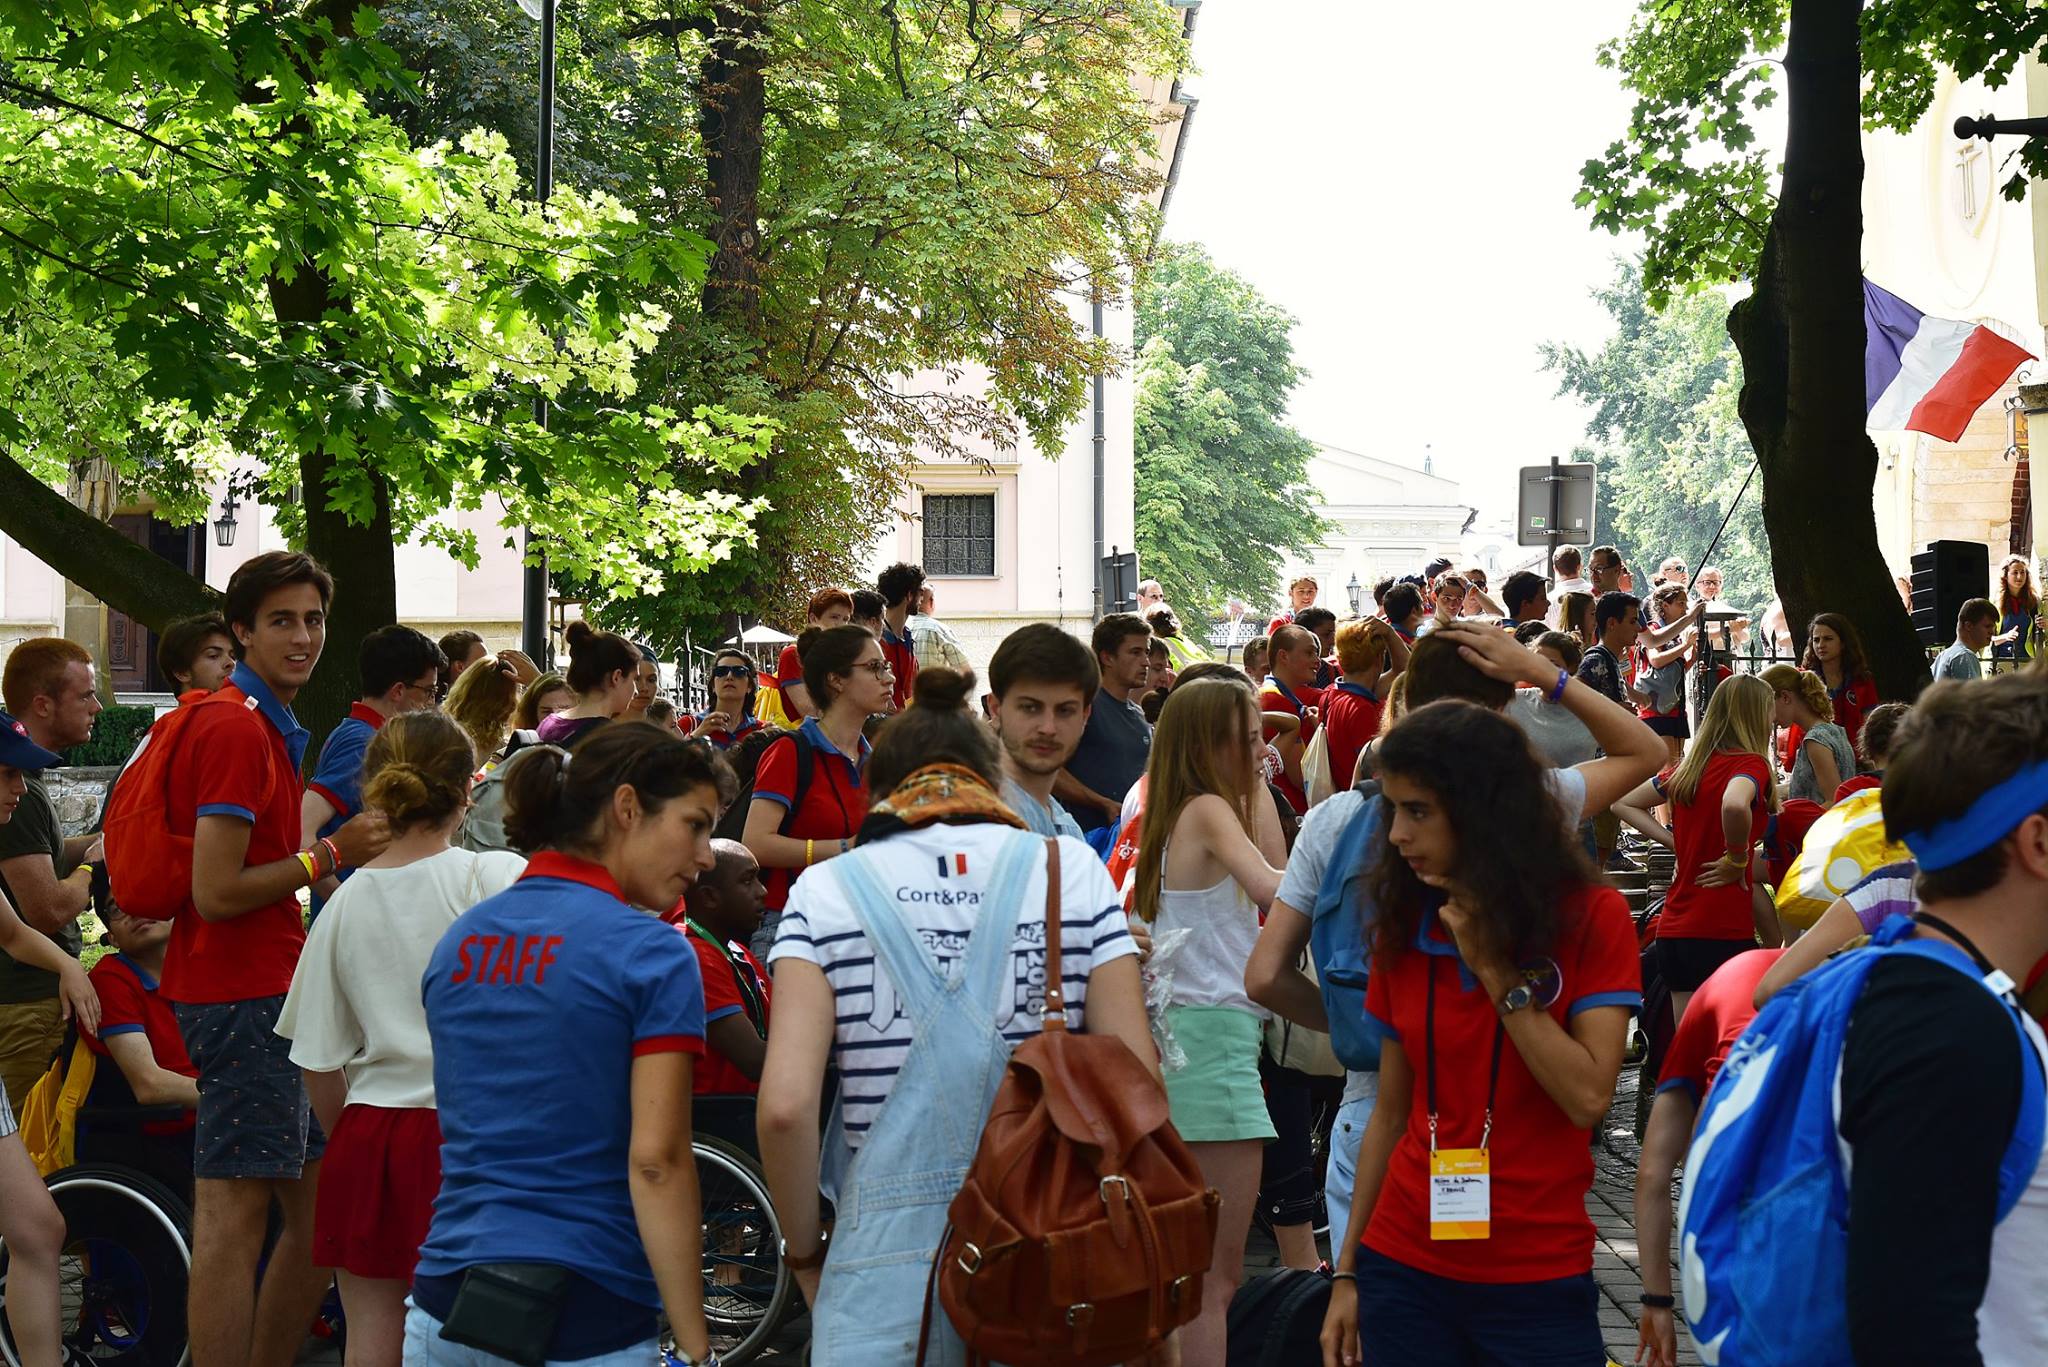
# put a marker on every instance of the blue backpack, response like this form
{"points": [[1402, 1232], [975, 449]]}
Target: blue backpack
{"points": [[1763, 1218], [1338, 939]]}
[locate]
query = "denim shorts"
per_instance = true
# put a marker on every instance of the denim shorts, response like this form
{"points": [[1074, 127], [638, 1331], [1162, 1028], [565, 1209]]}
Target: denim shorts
{"points": [[254, 1117], [424, 1347]]}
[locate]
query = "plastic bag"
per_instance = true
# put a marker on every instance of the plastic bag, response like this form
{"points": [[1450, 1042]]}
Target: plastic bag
{"points": [[1158, 976]]}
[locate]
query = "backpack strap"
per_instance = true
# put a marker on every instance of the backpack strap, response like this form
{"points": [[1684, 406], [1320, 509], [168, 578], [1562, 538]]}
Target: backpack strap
{"points": [[806, 762], [1055, 1011]]}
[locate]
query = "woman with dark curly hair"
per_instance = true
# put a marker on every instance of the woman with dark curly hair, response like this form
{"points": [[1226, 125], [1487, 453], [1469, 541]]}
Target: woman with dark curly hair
{"points": [[1834, 651], [1503, 975]]}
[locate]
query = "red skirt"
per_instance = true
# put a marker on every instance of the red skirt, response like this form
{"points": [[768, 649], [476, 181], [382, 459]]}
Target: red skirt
{"points": [[377, 1188]]}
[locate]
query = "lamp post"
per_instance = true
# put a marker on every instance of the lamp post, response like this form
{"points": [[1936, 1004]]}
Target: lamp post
{"points": [[1355, 590], [224, 525], [533, 615]]}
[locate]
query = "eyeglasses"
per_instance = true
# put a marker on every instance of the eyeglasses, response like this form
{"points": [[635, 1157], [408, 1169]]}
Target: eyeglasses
{"points": [[730, 671], [879, 668]]}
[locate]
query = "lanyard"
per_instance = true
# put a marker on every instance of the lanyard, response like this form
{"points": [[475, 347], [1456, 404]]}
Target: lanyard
{"points": [[1997, 981], [743, 976], [1429, 1064]]}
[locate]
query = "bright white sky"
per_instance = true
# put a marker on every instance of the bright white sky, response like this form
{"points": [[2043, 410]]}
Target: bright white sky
{"points": [[1400, 178]]}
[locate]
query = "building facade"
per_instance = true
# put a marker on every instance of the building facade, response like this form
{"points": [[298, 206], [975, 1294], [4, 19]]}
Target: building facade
{"points": [[1385, 519]]}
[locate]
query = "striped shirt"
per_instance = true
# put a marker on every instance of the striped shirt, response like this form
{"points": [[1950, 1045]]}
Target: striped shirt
{"points": [[938, 874], [1884, 892]]}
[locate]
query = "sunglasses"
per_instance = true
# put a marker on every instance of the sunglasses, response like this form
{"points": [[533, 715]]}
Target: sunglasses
{"points": [[730, 671]]}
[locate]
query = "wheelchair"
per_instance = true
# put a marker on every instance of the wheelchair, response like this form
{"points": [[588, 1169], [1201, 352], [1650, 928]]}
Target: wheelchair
{"points": [[748, 1293], [122, 1274]]}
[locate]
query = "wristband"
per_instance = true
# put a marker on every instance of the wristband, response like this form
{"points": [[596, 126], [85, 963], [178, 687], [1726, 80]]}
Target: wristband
{"points": [[333, 853], [1564, 679], [809, 1261], [306, 863], [1656, 1302], [810, 853], [844, 844], [1351, 1277]]}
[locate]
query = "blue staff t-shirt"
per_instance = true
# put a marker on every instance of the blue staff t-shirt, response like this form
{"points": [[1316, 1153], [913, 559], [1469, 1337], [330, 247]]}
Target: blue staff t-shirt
{"points": [[538, 1001]]}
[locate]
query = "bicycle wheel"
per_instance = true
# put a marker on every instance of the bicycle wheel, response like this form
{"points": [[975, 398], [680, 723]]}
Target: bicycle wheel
{"points": [[747, 1290], [122, 1272]]}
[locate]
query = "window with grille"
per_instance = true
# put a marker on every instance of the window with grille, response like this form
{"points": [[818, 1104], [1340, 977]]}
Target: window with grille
{"points": [[959, 534]]}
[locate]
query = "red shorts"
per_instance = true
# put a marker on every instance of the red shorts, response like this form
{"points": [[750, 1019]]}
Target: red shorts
{"points": [[377, 1189]]}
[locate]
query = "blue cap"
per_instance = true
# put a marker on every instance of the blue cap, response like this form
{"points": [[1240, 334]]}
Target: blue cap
{"points": [[17, 751]]}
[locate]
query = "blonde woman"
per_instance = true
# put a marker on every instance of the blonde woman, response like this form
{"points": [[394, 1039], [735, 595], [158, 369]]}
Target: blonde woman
{"points": [[1200, 870], [1825, 757], [1721, 794], [482, 702]]}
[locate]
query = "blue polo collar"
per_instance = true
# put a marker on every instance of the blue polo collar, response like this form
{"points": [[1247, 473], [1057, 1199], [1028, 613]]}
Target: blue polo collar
{"points": [[1432, 938], [1273, 682], [1357, 690], [142, 975], [892, 638], [276, 713], [820, 741]]}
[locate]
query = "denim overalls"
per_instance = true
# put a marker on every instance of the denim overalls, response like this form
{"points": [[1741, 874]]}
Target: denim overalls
{"points": [[892, 1199]]}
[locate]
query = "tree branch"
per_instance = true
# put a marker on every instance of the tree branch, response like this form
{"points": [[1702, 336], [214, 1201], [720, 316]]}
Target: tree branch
{"points": [[126, 576]]}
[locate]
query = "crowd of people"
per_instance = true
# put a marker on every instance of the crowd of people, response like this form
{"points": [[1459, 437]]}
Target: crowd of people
{"points": [[436, 1024]]}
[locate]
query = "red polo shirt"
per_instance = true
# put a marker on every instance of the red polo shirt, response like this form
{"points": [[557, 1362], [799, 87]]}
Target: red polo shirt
{"points": [[1702, 913], [129, 1004], [830, 809], [242, 762], [1714, 1017], [901, 652], [725, 996], [1277, 697], [1542, 1165]]}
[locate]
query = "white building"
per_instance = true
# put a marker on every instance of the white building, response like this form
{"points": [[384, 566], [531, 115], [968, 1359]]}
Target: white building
{"points": [[1386, 520], [1009, 537]]}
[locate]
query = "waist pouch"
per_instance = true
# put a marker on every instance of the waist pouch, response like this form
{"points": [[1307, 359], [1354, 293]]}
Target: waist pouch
{"points": [[508, 1310]]}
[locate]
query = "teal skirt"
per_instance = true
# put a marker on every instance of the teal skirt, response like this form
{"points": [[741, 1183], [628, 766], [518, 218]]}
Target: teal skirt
{"points": [[1216, 1097]]}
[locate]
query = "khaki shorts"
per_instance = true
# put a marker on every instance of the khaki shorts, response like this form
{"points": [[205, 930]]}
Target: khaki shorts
{"points": [[31, 1033]]}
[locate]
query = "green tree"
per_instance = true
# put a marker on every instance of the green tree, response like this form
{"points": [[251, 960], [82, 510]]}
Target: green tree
{"points": [[1222, 496], [1688, 176], [1671, 450], [916, 189], [215, 250]]}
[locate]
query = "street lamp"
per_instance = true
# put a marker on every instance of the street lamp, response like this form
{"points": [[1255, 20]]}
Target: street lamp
{"points": [[224, 525], [1354, 589], [533, 616]]}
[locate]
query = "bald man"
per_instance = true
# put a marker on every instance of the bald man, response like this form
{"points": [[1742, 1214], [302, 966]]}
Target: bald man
{"points": [[721, 910]]}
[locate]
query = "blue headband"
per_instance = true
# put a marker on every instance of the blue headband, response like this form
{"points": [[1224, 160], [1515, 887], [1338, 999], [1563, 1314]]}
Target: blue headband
{"points": [[1995, 814]]}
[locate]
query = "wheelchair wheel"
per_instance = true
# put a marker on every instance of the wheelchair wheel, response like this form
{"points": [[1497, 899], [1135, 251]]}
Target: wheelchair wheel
{"points": [[123, 1271], [747, 1290]]}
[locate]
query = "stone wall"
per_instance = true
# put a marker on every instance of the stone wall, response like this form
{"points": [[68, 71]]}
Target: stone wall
{"points": [[78, 795]]}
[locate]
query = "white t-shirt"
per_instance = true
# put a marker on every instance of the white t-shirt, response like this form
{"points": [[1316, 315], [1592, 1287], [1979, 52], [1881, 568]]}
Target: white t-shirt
{"points": [[355, 998], [937, 876]]}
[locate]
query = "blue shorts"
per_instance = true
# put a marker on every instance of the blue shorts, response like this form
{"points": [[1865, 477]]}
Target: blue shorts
{"points": [[254, 1116], [1408, 1318]]}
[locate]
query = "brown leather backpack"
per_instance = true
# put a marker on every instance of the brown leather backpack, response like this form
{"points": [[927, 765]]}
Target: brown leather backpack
{"points": [[1081, 1234]]}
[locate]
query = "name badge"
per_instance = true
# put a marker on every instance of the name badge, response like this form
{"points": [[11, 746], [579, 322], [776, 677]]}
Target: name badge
{"points": [[1460, 1194]]}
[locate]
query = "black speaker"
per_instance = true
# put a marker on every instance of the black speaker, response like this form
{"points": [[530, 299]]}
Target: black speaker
{"points": [[1947, 575]]}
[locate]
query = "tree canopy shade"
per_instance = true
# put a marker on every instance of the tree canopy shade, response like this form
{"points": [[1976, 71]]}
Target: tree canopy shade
{"points": [[1688, 176], [911, 203], [216, 254], [1664, 431], [1222, 496]]}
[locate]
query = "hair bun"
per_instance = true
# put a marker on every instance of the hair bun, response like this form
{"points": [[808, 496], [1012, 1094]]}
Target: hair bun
{"points": [[578, 632], [942, 688]]}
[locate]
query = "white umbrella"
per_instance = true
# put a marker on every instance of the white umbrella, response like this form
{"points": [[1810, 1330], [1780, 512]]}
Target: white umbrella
{"points": [[760, 635]]}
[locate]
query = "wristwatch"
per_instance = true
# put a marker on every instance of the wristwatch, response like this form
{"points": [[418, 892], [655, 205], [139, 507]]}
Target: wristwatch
{"points": [[1521, 995]]}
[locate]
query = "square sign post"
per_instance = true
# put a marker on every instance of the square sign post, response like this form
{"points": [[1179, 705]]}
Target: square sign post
{"points": [[1119, 585], [1556, 506]]}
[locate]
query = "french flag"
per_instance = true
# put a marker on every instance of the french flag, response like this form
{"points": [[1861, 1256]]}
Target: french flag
{"points": [[1927, 374]]}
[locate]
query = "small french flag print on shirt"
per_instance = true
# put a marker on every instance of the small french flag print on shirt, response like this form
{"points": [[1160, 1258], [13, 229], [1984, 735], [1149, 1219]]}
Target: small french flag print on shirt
{"points": [[950, 864]]}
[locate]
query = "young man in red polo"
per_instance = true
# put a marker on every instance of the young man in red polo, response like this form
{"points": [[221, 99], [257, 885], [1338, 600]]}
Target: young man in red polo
{"points": [[719, 915], [234, 944], [899, 586]]}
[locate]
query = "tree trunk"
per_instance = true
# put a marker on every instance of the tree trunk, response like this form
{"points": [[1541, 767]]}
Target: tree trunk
{"points": [[123, 574], [733, 106], [1801, 337]]}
